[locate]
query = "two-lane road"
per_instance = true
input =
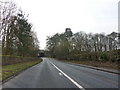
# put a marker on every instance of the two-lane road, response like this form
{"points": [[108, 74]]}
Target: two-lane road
{"points": [[55, 74]]}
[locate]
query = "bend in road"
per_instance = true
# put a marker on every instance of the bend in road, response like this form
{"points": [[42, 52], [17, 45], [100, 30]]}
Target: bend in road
{"points": [[55, 74]]}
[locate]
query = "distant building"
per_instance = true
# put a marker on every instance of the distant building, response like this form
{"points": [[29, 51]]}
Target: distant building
{"points": [[41, 53]]}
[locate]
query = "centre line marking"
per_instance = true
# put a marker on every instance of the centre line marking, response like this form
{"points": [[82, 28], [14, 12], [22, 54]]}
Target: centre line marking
{"points": [[73, 81], [60, 74]]}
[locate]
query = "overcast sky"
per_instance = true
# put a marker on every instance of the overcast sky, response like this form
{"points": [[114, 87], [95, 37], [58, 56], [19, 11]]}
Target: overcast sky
{"points": [[51, 16]]}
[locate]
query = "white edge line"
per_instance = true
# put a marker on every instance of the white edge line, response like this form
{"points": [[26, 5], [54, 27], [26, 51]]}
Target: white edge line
{"points": [[74, 82]]}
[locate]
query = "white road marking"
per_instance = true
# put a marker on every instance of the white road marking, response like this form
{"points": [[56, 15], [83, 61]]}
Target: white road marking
{"points": [[60, 74], [73, 81]]}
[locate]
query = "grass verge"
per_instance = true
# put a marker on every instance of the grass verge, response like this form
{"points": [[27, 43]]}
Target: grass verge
{"points": [[10, 70], [107, 65]]}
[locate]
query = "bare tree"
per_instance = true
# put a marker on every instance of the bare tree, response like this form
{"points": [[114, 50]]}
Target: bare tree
{"points": [[7, 10]]}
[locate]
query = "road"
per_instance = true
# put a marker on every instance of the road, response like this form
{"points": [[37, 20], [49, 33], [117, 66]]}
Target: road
{"points": [[55, 74]]}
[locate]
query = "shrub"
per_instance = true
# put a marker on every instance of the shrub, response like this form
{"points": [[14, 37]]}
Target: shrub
{"points": [[7, 60]]}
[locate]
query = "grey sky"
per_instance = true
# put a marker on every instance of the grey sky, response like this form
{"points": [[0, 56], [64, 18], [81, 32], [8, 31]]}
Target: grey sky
{"points": [[51, 16]]}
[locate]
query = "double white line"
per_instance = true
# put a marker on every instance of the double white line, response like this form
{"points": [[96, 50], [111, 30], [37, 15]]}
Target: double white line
{"points": [[73, 81]]}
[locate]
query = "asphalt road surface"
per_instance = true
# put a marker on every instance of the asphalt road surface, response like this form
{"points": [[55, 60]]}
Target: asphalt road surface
{"points": [[55, 74]]}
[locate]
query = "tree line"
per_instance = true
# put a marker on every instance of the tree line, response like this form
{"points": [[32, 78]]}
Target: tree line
{"points": [[16, 33], [83, 46]]}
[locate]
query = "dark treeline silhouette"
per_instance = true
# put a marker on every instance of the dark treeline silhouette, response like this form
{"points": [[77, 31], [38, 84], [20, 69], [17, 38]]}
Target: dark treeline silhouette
{"points": [[83, 46]]}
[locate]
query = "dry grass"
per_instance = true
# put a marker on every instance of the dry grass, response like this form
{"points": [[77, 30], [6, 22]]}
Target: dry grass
{"points": [[108, 65]]}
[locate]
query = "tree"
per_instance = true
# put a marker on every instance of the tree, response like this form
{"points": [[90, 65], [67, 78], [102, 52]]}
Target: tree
{"points": [[16, 32], [7, 10], [58, 45], [81, 45]]}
